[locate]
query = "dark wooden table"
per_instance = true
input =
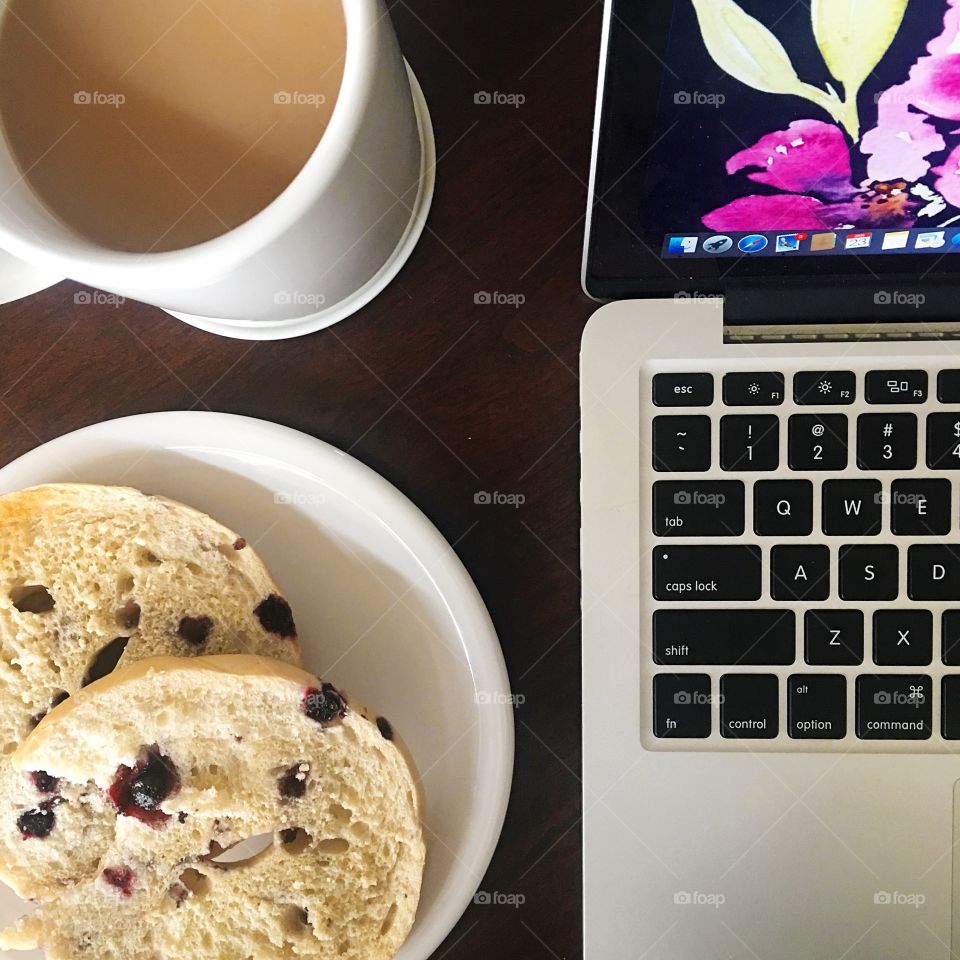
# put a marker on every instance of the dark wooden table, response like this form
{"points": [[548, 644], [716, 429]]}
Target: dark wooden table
{"points": [[442, 395]]}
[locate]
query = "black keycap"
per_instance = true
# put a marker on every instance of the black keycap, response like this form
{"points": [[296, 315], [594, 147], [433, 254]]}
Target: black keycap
{"points": [[896, 386], [852, 508], [800, 573], [681, 705], [950, 638], [818, 441], [948, 386], [707, 573], [698, 508], [887, 441], [833, 638], [902, 638], [950, 708], [724, 637], [753, 389], [943, 441], [869, 572], [683, 389], [920, 508], [750, 443], [894, 707], [783, 508], [681, 444], [817, 706], [749, 706], [825, 388], [933, 572]]}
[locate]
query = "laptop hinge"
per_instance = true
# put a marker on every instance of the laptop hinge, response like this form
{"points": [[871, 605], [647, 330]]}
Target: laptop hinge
{"points": [[842, 309]]}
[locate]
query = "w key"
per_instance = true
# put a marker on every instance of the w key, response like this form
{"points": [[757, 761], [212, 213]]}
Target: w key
{"points": [[696, 508]]}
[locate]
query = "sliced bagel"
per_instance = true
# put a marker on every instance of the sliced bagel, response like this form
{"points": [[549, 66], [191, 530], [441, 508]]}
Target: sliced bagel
{"points": [[154, 775]]}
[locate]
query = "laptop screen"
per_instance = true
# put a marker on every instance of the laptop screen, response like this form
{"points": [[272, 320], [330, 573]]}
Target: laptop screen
{"points": [[757, 138]]}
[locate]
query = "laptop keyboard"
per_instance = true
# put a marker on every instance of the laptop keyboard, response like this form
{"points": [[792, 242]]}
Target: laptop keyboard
{"points": [[804, 562]]}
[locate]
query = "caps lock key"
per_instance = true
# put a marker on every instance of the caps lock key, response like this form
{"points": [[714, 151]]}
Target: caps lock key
{"points": [[707, 573]]}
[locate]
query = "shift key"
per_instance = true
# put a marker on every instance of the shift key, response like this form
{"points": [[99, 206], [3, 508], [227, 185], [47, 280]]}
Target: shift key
{"points": [[707, 573]]}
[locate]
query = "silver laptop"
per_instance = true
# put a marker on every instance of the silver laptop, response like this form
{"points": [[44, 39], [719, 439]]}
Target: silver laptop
{"points": [[771, 484]]}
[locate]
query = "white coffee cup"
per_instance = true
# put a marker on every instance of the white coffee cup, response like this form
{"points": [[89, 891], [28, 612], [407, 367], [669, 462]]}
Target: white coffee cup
{"points": [[323, 249]]}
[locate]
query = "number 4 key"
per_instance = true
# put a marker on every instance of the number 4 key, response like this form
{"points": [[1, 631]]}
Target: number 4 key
{"points": [[943, 441]]}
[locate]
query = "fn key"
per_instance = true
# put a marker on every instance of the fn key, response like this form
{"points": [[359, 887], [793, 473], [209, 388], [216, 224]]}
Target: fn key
{"points": [[681, 705]]}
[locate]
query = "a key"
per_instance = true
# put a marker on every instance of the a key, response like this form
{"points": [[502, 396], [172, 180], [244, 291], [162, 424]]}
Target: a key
{"points": [[833, 638], [824, 388], [818, 441], [698, 508], [852, 508], [750, 443], [681, 705], [896, 386], [681, 444], [800, 573], [707, 573], [749, 706], [753, 389], [950, 638], [783, 508], [869, 572], [943, 441], [724, 637], [948, 386], [902, 638], [950, 708], [887, 441], [920, 508], [894, 707], [817, 706], [683, 389], [933, 572]]}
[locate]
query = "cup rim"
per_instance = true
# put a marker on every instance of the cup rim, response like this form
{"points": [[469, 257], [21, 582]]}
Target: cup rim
{"points": [[220, 254]]}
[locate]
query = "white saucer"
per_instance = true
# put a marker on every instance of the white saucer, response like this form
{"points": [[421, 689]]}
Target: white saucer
{"points": [[383, 606]]}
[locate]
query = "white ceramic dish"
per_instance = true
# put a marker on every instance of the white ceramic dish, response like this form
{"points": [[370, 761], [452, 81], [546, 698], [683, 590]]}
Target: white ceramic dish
{"points": [[383, 606]]}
